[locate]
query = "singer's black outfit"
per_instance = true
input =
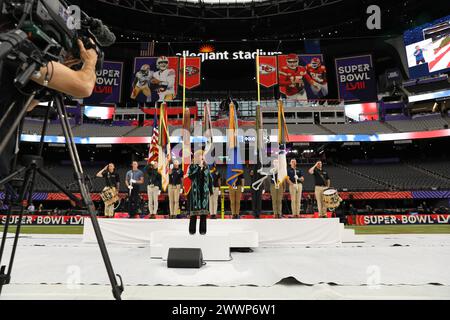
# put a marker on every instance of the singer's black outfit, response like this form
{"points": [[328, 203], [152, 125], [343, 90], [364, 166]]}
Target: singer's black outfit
{"points": [[201, 188]]}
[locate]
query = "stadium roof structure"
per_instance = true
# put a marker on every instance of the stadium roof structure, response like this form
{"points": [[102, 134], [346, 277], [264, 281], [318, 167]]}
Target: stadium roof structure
{"points": [[220, 9], [186, 20]]}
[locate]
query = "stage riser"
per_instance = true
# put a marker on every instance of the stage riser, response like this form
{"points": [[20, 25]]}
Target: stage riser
{"points": [[271, 232]]}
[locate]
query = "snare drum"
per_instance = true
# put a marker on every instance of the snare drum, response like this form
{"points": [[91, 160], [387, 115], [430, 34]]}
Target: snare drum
{"points": [[109, 195], [331, 198]]}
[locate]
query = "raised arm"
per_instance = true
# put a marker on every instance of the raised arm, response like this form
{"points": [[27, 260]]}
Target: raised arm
{"points": [[79, 84], [100, 173], [311, 170]]}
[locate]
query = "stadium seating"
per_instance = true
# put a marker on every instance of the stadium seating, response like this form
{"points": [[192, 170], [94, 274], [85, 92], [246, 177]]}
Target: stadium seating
{"points": [[420, 123], [351, 177]]}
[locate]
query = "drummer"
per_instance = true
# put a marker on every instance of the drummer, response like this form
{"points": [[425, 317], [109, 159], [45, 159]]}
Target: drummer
{"points": [[112, 181], [321, 182]]}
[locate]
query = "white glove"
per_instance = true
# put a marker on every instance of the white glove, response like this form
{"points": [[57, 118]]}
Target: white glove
{"points": [[132, 181], [220, 192], [242, 189], [181, 191], [130, 187], [159, 192], [171, 166], [264, 191]]}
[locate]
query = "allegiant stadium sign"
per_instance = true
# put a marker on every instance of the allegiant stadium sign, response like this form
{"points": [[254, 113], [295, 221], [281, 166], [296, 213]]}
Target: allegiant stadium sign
{"points": [[227, 55]]}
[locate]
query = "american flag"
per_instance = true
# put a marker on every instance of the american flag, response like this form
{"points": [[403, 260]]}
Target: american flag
{"points": [[147, 49], [153, 150]]}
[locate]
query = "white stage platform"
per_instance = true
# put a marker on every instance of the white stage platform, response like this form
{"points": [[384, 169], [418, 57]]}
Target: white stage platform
{"points": [[382, 261], [270, 232]]}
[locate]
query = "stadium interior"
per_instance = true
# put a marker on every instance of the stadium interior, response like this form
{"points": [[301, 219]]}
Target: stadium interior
{"points": [[383, 139], [394, 165]]}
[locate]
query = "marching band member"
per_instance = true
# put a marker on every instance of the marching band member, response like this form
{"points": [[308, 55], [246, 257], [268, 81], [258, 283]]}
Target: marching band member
{"points": [[153, 187], [112, 181], [235, 197], [295, 183], [321, 182], [276, 190], [133, 180], [255, 176], [175, 180]]}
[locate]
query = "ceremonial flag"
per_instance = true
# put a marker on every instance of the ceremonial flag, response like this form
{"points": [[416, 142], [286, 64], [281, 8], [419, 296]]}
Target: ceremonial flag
{"points": [[186, 159], [164, 147], [267, 71], [282, 138], [259, 137], [153, 150], [234, 167], [192, 72], [207, 130]]}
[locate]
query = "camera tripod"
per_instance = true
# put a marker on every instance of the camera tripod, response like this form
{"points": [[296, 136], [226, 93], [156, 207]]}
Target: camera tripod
{"points": [[33, 165]]}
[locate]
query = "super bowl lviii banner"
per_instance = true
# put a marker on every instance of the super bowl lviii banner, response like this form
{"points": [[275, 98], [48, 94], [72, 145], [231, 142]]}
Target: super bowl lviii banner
{"points": [[108, 86], [193, 72], [268, 71], [155, 79], [356, 79], [302, 77]]}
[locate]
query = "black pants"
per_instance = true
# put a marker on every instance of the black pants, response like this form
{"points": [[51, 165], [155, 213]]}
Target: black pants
{"points": [[134, 202], [256, 202]]}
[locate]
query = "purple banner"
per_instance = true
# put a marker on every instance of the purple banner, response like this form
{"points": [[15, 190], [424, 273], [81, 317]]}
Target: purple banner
{"points": [[108, 87], [431, 194], [356, 79]]}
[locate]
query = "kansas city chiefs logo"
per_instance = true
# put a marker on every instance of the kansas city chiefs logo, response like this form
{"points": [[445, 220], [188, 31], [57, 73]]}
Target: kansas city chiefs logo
{"points": [[191, 70], [266, 69]]}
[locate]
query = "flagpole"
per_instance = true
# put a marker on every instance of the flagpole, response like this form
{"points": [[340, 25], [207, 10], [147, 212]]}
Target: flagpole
{"points": [[184, 82], [257, 77]]}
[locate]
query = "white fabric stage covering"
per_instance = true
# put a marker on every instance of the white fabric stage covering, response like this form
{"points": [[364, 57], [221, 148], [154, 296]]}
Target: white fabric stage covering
{"points": [[271, 232], [382, 259]]}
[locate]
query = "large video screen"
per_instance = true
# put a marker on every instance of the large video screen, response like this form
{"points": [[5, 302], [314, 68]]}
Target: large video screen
{"points": [[428, 48]]}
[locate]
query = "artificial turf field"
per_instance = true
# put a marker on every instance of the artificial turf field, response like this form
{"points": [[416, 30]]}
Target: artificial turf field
{"points": [[390, 229]]}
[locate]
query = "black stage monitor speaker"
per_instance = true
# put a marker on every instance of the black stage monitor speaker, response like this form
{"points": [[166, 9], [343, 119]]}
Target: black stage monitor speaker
{"points": [[184, 258]]}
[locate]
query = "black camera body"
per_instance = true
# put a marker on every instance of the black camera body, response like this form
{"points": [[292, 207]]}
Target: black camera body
{"points": [[54, 27]]}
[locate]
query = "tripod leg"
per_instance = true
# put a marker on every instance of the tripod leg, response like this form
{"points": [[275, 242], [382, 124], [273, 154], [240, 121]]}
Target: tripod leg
{"points": [[117, 289], [5, 278], [8, 214]]}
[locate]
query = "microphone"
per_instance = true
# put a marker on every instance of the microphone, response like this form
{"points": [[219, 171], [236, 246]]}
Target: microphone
{"points": [[102, 34]]}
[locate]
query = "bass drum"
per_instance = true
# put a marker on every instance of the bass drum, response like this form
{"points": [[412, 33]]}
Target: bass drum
{"points": [[109, 195], [331, 198]]}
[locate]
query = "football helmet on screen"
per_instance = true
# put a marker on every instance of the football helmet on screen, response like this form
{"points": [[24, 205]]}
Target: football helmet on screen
{"points": [[315, 63], [162, 63], [292, 61]]}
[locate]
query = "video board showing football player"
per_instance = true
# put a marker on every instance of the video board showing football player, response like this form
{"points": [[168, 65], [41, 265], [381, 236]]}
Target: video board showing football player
{"points": [[155, 79], [302, 77]]}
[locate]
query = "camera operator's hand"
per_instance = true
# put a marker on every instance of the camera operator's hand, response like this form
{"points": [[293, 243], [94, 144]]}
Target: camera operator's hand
{"points": [[87, 56], [78, 84]]}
